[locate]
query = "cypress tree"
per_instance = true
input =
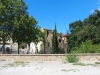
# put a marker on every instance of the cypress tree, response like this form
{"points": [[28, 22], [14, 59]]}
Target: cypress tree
{"points": [[55, 41]]}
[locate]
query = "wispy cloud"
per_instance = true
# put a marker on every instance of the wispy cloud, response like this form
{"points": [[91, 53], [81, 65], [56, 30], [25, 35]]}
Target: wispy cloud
{"points": [[98, 2], [91, 11]]}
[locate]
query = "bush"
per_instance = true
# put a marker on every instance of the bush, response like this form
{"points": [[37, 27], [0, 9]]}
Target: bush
{"points": [[41, 52], [71, 58], [23, 45], [87, 47]]}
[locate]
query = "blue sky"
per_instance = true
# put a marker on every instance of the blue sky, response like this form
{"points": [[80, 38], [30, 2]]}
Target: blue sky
{"points": [[63, 12]]}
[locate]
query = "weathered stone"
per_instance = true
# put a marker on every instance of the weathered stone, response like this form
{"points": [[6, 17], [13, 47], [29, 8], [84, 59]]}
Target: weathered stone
{"points": [[47, 57]]}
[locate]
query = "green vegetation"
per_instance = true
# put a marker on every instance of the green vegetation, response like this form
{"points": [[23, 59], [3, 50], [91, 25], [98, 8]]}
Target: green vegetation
{"points": [[74, 70], [97, 62], [2, 60], [84, 36], [79, 63], [83, 64], [71, 58], [41, 52], [15, 22], [23, 45], [42, 38], [87, 47], [16, 64], [55, 42]]}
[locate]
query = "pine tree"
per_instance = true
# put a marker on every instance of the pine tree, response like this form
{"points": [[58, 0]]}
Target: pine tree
{"points": [[55, 41]]}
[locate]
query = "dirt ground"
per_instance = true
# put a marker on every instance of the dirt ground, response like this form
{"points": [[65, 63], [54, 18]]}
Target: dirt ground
{"points": [[49, 68]]}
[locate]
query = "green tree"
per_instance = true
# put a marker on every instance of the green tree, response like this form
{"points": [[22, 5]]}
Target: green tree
{"points": [[6, 13], [25, 26], [16, 23], [88, 29], [55, 41], [75, 27], [42, 38], [31, 31], [20, 19], [27, 31]]}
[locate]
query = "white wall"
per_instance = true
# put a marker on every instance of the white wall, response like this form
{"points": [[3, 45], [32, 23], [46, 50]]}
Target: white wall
{"points": [[39, 45], [34, 47]]}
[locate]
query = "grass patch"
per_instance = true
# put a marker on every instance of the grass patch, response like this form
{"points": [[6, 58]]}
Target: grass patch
{"points": [[71, 58], [74, 70], [20, 63], [97, 62], [2, 60], [11, 65], [17, 63], [81, 64], [4, 66], [64, 70]]}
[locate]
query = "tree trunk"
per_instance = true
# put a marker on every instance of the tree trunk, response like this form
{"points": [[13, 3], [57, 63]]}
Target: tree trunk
{"points": [[36, 49], [18, 47], [44, 44], [28, 47], [44, 49], [3, 46]]}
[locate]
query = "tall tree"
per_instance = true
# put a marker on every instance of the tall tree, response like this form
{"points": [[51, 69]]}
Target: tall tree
{"points": [[32, 31], [75, 27], [55, 41], [16, 23], [5, 20], [88, 29], [20, 18], [42, 38]]}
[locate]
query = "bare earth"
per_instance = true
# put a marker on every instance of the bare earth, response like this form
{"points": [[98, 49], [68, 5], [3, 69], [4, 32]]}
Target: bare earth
{"points": [[48, 68]]}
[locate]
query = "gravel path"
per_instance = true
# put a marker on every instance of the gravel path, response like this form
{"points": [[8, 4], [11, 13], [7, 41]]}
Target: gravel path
{"points": [[47, 68]]}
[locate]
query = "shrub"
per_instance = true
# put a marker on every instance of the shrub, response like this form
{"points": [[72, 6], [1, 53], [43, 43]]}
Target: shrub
{"points": [[87, 47], [41, 51], [71, 58]]}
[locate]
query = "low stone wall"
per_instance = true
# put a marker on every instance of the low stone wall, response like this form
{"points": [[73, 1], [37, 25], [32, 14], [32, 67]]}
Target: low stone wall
{"points": [[89, 57], [32, 57], [47, 57]]}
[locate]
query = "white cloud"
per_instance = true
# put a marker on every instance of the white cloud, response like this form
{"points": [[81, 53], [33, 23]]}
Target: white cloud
{"points": [[98, 8], [98, 2], [91, 11]]}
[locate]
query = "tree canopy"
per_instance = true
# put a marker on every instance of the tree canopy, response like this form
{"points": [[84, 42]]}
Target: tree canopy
{"points": [[81, 31], [17, 23], [55, 41]]}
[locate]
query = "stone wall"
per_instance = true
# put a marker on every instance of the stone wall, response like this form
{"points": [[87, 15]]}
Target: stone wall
{"points": [[47, 57]]}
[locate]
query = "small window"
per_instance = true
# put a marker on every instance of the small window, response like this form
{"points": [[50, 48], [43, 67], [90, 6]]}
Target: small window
{"points": [[60, 40]]}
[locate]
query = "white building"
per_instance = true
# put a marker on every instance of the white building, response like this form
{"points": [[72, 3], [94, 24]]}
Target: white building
{"points": [[34, 49]]}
